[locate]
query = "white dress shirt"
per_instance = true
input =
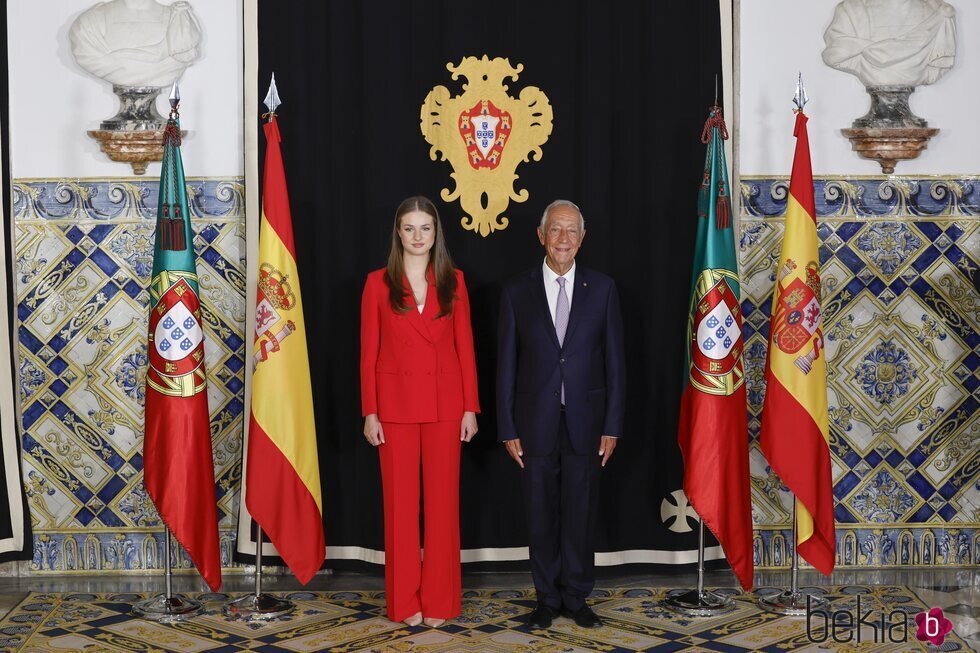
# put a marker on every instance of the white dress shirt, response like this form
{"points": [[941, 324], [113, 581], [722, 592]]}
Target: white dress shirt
{"points": [[551, 287]]}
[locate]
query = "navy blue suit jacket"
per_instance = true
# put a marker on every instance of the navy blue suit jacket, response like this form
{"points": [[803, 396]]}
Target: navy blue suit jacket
{"points": [[531, 365]]}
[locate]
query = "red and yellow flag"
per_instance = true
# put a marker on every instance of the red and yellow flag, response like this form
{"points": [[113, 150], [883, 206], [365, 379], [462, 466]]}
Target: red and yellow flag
{"points": [[795, 435], [283, 479]]}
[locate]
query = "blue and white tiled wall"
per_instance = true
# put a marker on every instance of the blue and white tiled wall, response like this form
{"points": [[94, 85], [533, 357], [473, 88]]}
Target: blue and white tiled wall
{"points": [[82, 262], [900, 262], [900, 259]]}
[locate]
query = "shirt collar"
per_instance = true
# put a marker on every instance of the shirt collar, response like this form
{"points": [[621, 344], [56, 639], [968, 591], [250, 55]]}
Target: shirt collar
{"points": [[550, 276]]}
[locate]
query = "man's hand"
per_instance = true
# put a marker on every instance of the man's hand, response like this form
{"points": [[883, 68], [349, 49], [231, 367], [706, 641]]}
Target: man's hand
{"points": [[515, 451], [606, 447]]}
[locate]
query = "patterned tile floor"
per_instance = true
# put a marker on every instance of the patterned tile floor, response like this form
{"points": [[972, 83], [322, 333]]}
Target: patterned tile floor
{"points": [[345, 613]]}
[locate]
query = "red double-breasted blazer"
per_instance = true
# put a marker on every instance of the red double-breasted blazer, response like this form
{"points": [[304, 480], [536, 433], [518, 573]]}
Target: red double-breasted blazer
{"points": [[416, 367]]}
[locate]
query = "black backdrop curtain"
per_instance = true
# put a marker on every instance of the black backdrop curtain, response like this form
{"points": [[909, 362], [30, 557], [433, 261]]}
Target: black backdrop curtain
{"points": [[16, 541], [630, 84]]}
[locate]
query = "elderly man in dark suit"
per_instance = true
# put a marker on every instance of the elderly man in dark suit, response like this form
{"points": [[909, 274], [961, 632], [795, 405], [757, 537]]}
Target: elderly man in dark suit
{"points": [[561, 386]]}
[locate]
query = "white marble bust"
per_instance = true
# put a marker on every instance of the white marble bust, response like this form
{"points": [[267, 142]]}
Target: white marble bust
{"points": [[136, 42], [892, 42]]}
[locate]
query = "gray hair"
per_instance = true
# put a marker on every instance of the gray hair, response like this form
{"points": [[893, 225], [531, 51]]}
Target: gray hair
{"points": [[557, 203]]}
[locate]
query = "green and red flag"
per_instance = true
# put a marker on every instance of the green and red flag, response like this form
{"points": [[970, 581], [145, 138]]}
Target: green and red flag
{"points": [[282, 489], [795, 434], [178, 468], [713, 428]]}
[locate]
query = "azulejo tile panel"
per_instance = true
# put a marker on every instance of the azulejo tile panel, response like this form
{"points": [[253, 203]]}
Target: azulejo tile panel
{"points": [[83, 258], [900, 265], [868, 197]]}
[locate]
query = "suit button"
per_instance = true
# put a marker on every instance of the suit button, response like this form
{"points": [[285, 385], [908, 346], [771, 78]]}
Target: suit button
{"points": [[557, 394], [561, 360]]}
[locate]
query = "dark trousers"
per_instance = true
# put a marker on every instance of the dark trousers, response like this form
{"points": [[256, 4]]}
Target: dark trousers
{"points": [[561, 492]]}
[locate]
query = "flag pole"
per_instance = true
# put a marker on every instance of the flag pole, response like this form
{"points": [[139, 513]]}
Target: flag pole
{"points": [[794, 602], [168, 572], [713, 201], [259, 605], [698, 602], [167, 607]]}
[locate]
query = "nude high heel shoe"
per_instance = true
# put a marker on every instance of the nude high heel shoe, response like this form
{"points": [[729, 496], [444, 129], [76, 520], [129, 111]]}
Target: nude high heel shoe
{"points": [[414, 620]]}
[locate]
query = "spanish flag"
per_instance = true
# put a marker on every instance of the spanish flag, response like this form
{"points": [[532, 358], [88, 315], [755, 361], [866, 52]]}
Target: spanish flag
{"points": [[795, 436], [283, 479]]}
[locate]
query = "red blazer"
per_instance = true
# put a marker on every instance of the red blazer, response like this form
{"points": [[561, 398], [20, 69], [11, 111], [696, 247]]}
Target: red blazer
{"points": [[414, 367]]}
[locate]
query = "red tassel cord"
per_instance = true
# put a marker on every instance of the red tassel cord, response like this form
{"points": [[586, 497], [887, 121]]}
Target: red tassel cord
{"points": [[723, 210], [715, 119], [703, 194], [170, 228]]}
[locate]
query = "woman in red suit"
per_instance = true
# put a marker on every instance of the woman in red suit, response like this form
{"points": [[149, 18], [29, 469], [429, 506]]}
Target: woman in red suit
{"points": [[419, 400]]}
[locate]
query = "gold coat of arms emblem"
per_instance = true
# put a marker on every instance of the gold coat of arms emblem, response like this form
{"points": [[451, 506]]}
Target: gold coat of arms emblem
{"points": [[485, 134]]}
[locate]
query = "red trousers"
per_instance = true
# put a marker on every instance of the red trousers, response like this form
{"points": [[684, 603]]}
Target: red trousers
{"points": [[431, 585]]}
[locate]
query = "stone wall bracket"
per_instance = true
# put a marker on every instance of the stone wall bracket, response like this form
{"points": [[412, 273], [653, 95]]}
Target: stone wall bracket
{"points": [[888, 146], [889, 132]]}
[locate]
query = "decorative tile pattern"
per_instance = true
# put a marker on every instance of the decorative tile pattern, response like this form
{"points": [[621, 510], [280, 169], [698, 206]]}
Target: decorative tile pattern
{"points": [[492, 620], [900, 262], [882, 498], [84, 254], [900, 267], [127, 199], [868, 197], [885, 372]]}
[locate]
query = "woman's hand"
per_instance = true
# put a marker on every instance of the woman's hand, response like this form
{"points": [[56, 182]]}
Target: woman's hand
{"points": [[373, 432], [468, 428]]}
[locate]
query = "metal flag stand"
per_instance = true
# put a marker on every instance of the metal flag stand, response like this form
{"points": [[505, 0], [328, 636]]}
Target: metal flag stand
{"points": [[261, 606], [698, 602], [168, 607], [793, 602], [258, 605]]}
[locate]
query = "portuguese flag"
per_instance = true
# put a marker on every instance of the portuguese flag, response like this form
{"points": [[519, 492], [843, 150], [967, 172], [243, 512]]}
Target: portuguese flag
{"points": [[795, 436], [282, 491], [713, 430], [178, 469]]}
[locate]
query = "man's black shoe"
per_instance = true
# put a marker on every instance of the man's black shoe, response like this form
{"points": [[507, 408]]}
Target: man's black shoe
{"points": [[542, 616], [584, 617]]}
